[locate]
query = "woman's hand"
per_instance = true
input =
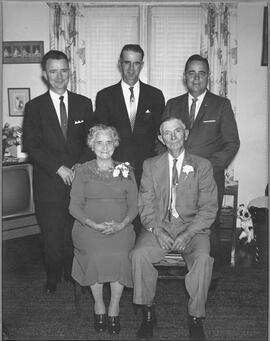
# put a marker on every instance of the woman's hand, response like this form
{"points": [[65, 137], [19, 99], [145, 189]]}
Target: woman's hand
{"points": [[98, 227], [107, 227], [112, 227]]}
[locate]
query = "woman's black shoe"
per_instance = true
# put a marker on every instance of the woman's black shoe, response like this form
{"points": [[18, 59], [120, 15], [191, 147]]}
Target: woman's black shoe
{"points": [[114, 324], [100, 322]]}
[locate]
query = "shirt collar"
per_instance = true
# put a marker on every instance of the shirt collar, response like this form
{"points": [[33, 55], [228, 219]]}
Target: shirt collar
{"points": [[200, 98], [126, 86], [56, 96], [179, 158]]}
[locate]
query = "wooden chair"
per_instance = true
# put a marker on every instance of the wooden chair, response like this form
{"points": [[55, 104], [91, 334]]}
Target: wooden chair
{"points": [[173, 266]]}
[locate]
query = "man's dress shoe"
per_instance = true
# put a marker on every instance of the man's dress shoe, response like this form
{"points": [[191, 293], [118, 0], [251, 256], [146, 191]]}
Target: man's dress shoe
{"points": [[145, 331], [195, 326], [50, 287], [68, 279]]}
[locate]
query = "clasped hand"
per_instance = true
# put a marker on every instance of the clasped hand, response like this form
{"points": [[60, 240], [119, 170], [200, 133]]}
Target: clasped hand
{"points": [[109, 227], [168, 243]]}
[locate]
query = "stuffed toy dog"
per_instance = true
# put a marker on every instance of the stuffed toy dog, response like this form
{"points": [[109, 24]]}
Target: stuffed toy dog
{"points": [[244, 222]]}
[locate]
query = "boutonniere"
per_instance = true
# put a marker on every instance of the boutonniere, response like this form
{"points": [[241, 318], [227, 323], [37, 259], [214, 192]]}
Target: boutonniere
{"points": [[188, 169], [122, 170]]}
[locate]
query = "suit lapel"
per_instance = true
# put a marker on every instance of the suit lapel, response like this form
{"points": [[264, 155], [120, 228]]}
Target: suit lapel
{"points": [[203, 109], [122, 108], [187, 161], [141, 104], [162, 174], [72, 109], [52, 119], [185, 175]]}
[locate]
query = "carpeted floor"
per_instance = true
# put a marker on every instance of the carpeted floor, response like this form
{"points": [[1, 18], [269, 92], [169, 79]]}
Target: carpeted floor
{"points": [[236, 310]]}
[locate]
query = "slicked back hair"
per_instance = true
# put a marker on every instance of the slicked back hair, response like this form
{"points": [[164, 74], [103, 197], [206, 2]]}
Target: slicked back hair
{"points": [[197, 57], [133, 48], [52, 54]]}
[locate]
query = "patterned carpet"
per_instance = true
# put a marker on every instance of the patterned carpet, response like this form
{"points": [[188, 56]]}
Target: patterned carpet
{"points": [[236, 310]]}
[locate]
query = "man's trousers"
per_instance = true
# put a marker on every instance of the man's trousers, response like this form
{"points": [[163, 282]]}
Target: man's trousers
{"points": [[199, 264]]}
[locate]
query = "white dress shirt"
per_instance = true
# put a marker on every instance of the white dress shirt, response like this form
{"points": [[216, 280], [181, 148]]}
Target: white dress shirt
{"points": [[56, 102], [126, 93], [180, 159], [198, 102]]}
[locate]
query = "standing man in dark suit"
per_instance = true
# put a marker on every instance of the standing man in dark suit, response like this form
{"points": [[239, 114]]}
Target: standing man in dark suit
{"points": [[133, 108], [212, 128], [54, 136]]}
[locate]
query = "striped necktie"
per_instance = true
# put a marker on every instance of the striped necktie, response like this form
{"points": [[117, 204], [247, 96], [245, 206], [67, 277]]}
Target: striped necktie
{"points": [[172, 209], [192, 111], [133, 110]]}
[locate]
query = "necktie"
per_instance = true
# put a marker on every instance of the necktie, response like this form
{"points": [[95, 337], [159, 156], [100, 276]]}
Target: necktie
{"points": [[132, 108], [172, 210], [192, 111], [63, 116]]}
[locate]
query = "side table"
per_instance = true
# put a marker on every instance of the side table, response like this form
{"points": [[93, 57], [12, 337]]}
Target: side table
{"points": [[228, 218]]}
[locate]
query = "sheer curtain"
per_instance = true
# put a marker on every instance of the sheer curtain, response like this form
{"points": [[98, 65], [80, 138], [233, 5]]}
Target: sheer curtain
{"points": [[219, 46], [109, 28], [67, 34], [174, 36]]}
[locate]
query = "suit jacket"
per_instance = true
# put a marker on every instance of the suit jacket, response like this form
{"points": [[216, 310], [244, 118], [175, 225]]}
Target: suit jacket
{"points": [[46, 146], [214, 134], [196, 194], [139, 144]]}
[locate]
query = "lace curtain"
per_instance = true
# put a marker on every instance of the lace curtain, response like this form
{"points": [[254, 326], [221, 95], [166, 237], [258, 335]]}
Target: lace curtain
{"points": [[67, 34], [219, 46]]}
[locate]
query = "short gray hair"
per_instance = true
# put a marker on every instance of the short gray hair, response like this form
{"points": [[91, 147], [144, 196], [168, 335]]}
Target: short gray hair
{"points": [[167, 118], [102, 128]]}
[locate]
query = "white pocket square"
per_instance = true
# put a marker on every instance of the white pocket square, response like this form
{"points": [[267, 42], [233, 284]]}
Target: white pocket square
{"points": [[209, 121], [79, 121], [148, 111]]}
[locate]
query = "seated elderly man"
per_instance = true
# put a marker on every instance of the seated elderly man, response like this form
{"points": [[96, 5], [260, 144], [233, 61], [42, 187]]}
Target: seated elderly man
{"points": [[177, 205]]}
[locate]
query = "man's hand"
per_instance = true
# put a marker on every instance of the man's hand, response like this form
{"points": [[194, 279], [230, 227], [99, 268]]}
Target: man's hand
{"points": [[181, 241], [66, 174], [164, 239]]}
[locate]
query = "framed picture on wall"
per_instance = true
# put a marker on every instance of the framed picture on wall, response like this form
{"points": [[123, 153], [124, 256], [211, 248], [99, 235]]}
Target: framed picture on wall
{"points": [[19, 52], [17, 98]]}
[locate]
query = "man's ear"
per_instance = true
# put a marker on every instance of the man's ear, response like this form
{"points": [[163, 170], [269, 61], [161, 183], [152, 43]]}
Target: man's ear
{"points": [[184, 78], [161, 139], [44, 75], [119, 65], [186, 134]]}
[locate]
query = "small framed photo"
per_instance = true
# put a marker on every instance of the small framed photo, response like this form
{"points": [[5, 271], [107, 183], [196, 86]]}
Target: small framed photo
{"points": [[17, 98], [19, 52]]}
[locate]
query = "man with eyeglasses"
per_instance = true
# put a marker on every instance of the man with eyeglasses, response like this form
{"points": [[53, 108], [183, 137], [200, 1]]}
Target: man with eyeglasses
{"points": [[212, 128], [133, 108]]}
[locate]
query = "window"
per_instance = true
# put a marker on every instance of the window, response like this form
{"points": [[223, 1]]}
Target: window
{"points": [[174, 36], [168, 35], [108, 30]]}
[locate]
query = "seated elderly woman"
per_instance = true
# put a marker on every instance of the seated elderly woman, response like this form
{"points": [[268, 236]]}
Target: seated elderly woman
{"points": [[103, 203]]}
